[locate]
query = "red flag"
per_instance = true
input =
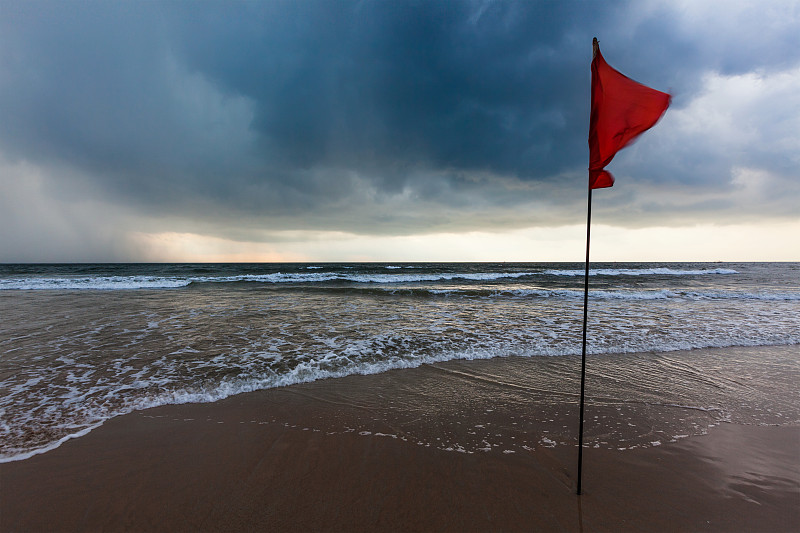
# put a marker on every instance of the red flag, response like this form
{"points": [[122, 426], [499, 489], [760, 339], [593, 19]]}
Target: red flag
{"points": [[622, 109]]}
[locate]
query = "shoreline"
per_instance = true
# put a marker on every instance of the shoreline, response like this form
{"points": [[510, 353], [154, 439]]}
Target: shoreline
{"points": [[444, 447], [773, 352]]}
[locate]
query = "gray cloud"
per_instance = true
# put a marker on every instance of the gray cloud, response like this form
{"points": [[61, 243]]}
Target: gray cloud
{"points": [[376, 117]]}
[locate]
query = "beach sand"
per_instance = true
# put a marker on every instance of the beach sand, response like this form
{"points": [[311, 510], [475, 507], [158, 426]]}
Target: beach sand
{"points": [[386, 452]]}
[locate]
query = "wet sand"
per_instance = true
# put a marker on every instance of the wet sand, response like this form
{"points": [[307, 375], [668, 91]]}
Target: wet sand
{"points": [[376, 453]]}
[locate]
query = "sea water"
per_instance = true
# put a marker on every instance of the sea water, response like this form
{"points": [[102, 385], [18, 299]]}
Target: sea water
{"points": [[80, 344]]}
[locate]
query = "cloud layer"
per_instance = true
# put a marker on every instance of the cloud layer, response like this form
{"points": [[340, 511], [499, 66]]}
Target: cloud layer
{"points": [[381, 118]]}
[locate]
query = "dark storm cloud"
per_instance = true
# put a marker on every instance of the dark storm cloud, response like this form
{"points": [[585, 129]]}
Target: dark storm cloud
{"points": [[321, 115], [381, 87]]}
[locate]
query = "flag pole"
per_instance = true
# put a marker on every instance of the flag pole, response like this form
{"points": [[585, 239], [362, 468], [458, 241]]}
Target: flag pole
{"points": [[583, 349], [595, 49], [614, 122]]}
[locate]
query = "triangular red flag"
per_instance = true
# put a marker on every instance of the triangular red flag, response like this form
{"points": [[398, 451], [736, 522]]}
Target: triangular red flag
{"points": [[622, 109]]}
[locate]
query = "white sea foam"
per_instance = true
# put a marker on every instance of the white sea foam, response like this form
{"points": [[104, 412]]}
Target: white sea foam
{"points": [[168, 282], [303, 373], [640, 272], [26, 454], [594, 294], [94, 283], [163, 282], [739, 295], [280, 277], [318, 369]]}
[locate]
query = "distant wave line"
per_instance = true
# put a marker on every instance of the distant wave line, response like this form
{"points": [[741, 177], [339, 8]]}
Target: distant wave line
{"points": [[163, 282], [640, 272]]}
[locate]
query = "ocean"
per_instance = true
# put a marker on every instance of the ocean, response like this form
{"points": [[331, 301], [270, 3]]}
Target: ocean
{"points": [[80, 344]]}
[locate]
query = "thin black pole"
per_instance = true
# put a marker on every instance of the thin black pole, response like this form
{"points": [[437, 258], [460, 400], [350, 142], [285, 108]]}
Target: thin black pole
{"points": [[583, 350]]}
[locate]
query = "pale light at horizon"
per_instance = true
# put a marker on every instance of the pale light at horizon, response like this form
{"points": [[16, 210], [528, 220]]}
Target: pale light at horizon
{"points": [[610, 244]]}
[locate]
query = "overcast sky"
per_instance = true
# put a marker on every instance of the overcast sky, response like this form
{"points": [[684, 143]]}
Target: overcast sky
{"points": [[391, 130]]}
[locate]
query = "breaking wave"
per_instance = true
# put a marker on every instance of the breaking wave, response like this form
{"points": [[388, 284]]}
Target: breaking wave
{"points": [[170, 282]]}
